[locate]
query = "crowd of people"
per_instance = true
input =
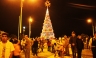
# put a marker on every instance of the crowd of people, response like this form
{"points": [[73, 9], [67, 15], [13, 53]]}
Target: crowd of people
{"points": [[11, 47]]}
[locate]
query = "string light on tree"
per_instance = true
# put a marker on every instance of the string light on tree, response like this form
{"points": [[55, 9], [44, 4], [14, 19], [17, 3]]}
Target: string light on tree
{"points": [[47, 31]]}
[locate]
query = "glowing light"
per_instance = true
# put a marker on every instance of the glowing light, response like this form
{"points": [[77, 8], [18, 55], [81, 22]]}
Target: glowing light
{"points": [[89, 20], [30, 19], [22, 0], [24, 27], [33, 1]]}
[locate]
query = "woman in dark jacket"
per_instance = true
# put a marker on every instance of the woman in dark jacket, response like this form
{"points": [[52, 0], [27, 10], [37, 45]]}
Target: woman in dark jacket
{"points": [[79, 45]]}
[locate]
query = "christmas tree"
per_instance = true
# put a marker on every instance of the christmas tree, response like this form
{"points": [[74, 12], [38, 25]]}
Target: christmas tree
{"points": [[47, 31]]}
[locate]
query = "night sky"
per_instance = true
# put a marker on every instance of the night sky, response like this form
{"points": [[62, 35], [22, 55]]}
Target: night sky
{"points": [[66, 16]]}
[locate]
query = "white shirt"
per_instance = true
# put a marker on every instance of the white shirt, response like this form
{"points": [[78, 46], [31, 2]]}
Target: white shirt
{"points": [[90, 42], [8, 49], [23, 42]]}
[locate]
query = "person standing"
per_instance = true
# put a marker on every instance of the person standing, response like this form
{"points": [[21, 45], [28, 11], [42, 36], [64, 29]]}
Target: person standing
{"points": [[17, 50], [27, 46], [53, 41], [23, 41], [41, 44], [92, 44], [66, 45], [35, 47], [6, 47], [79, 45], [49, 44], [72, 41]]}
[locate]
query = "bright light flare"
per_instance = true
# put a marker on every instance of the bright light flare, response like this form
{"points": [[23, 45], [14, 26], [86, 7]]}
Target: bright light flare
{"points": [[33, 0], [22, 0], [24, 27], [89, 20], [30, 19]]}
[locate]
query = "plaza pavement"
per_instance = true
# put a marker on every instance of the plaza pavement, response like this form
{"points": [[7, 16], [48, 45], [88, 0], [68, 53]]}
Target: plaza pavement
{"points": [[86, 53]]}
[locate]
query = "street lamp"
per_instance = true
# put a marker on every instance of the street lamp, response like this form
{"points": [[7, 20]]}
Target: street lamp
{"points": [[20, 21], [90, 21], [24, 29], [33, 0], [30, 21], [20, 17]]}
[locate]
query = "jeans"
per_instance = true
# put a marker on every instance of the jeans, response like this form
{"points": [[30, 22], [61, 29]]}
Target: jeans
{"points": [[79, 51], [74, 52]]}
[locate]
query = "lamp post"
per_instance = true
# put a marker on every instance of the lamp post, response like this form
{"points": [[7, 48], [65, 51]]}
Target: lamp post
{"points": [[30, 21], [20, 17], [24, 29], [20, 21], [90, 21]]}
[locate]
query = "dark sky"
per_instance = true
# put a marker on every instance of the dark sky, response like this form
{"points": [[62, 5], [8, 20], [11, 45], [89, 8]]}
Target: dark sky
{"points": [[65, 15]]}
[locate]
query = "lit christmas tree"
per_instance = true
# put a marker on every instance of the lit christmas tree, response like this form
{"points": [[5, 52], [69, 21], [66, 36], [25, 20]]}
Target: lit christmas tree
{"points": [[47, 31]]}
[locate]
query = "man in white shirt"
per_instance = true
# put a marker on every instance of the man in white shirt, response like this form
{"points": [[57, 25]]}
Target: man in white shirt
{"points": [[6, 47]]}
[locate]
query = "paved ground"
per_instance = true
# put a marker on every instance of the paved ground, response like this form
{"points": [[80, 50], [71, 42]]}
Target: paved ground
{"points": [[86, 53], [44, 54]]}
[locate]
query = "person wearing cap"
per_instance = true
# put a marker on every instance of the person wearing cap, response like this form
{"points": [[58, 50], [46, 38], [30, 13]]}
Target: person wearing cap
{"points": [[6, 47], [92, 44], [72, 41]]}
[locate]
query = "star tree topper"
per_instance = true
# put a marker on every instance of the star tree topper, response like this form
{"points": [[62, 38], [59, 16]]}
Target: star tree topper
{"points": [[47, 3]]}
